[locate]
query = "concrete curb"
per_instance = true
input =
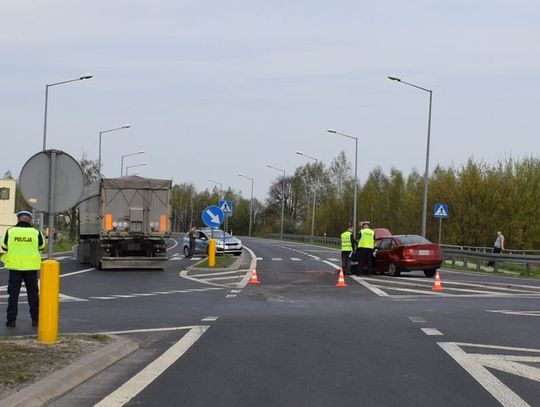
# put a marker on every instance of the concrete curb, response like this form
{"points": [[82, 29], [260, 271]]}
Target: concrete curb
{"points": [[66, 379]]}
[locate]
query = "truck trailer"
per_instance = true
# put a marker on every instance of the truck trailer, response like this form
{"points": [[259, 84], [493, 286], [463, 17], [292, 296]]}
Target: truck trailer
{"points": [[124, 223]]}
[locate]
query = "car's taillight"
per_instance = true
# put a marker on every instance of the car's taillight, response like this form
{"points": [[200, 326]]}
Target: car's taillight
{"points": [[408, 253]]}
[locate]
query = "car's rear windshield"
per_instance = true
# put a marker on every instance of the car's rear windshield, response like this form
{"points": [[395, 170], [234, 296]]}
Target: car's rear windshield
{"points": [[412, 239]]}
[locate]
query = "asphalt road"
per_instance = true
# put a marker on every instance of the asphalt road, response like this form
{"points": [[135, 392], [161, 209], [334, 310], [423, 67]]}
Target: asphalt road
{"points": [[298, 340]]}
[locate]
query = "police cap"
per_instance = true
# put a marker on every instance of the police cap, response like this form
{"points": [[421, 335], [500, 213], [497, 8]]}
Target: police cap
{"points": [[24, 213]]}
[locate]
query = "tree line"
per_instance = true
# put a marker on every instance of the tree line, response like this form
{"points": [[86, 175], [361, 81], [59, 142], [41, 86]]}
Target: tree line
{"points": [[482, 198]]}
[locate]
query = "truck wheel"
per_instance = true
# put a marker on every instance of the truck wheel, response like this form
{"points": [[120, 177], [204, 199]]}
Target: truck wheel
{"points": [[186, 251], [392, 270]]}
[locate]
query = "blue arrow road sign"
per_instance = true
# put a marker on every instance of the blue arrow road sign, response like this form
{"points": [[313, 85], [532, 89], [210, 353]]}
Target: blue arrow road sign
{"points": [[441, 211], [226, 207], [213, 216]]}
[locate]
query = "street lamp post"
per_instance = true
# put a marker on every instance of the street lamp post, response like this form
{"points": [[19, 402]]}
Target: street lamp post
{"points": [[220, 187], [127, 155], [426, 173], [355, 173], [250, 201], [314, 191], [47, 86], [282, 196], [133, 166], [125, 126]]}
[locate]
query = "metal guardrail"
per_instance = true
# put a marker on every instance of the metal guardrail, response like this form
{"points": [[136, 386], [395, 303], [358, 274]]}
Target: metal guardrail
{"points": [[450, 252]]}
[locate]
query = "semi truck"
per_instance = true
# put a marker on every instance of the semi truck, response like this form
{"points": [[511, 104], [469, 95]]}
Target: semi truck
{"points": [[124, 223]]}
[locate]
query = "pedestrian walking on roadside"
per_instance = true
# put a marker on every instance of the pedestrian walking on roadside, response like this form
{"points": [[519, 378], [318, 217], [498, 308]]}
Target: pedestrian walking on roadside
{"points": [[348, 245], [366, 245], [498, 246], [192, 237], [22, 244]]}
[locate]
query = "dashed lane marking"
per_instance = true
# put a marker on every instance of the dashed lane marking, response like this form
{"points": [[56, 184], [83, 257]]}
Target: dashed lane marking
{"points": [[295, 259], [417, 320], [230, 296], [431, 331], [276, 259], [209, 319]]}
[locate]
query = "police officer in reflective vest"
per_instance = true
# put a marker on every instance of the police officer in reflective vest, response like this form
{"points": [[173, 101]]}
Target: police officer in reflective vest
{"points": [[23, 260], [348, 245], [366, 244]]}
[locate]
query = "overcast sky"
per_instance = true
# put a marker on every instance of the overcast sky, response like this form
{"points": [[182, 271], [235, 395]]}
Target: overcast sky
{"points": [[214, 88]]}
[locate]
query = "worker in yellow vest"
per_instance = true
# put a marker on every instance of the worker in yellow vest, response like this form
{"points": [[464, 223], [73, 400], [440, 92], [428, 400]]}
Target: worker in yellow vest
{"points": [[348, 245], [23, 260], [366, 245]]}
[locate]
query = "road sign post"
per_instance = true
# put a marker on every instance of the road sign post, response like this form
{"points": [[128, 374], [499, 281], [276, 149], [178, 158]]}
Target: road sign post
{"points": [[440, 212]]}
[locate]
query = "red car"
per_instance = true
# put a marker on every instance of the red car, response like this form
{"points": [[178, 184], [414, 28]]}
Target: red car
{"points": [[394, 254]]}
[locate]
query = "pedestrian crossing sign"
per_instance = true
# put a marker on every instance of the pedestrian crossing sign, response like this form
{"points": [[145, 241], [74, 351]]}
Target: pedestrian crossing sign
{"points": [[226, 207], [441, 211]]}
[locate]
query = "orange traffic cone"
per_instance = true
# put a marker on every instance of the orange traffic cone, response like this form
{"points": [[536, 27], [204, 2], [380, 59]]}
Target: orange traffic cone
{"points": [[437, 286], [341, 279], [253, 279]]}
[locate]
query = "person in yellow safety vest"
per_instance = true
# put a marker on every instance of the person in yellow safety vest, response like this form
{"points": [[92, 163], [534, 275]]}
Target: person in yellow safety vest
{"points": [[23, 260], [348, 245], [366, 244]]}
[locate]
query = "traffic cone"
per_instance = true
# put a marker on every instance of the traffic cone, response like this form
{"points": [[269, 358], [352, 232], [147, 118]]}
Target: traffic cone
{"points": [[253, 279], [437, 286], [341, 279]]}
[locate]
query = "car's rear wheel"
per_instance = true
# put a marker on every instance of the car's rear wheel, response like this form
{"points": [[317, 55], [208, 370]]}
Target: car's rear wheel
{"points": [[392, 270], [186, 251], [430, 272]]}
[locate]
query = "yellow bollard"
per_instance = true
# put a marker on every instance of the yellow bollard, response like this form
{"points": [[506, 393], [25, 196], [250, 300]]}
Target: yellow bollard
{"points": [[49, 302], [211, 252]]}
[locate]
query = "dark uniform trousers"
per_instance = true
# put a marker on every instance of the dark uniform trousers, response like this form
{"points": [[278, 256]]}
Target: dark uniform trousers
{"points": [[345, 260], [30, 279], [365, 257]]}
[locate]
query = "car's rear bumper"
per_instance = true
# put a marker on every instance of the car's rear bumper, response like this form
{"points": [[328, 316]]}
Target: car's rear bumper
{"points": [[415, 264]]}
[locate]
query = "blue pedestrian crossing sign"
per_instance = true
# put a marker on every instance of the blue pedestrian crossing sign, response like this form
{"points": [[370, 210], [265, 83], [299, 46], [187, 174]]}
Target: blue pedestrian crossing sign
{"points": [[213, 216], [441, 211], [226, 207]]}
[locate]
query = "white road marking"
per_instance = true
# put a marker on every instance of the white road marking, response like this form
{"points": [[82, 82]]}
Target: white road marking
{"points": [[103, 298], [77, 272], [259, 258], [276, 259], [417, 320], [151, 372], [230, 296], [475, 365], [431, 331], [525, 313], [217, 273], [376, 290], [295, 259], [176, 258], [209, 319], [176, 242], [223, 278], [236, 291], [333, 259]]}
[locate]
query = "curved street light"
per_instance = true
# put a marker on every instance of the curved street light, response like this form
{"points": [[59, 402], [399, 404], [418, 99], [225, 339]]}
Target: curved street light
{"points": [[355, 173], [128, 155], [47, 86], [125, 126], [426, 172], [133, 166]]}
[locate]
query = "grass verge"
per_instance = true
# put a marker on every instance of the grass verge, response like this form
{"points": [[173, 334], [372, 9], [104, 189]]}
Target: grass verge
{"points": [[221, 261]]}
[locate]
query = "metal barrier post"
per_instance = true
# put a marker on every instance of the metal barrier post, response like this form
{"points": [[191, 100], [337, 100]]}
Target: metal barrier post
{"points": [[211, 252], [49, 302]]}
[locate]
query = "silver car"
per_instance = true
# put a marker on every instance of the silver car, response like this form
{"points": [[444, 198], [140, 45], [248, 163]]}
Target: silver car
{"points": [[202, 237]]}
